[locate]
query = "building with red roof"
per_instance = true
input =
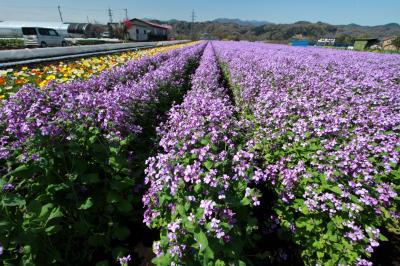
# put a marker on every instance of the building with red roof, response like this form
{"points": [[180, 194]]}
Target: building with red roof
{"points": [[143, 30]]}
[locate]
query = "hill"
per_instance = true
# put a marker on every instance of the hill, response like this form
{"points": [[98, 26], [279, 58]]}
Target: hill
{"points": [[241, 22], [261, 30]]}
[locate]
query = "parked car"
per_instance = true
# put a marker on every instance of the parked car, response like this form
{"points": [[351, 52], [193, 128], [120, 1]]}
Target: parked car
{"points": [[42, 37], [106, 34]]}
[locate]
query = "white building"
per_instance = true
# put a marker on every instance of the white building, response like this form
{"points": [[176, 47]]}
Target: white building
{"points": [[142, 30], [327, 40]]}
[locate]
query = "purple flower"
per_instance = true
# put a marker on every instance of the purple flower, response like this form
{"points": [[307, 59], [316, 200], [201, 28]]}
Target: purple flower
{"points": [[208, 207], [8, 187], [363, 262], [124, 260]]}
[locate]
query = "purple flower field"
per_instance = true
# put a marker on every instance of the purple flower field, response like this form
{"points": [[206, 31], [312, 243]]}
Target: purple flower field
{"points": [[219, 153]]}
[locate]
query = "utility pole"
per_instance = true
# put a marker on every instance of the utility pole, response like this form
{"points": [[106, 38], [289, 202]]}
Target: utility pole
{"points": [[59, 12], [126, 13], [110, 15], [110, 28], [87, 17], [192, 25]]}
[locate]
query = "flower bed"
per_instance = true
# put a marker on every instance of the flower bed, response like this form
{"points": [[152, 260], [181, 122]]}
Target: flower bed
{"points": [[73, 157], [11, 80], [325, 139]]}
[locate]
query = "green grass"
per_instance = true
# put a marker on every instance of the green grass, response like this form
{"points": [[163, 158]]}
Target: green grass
{"points": [[11, 43]]}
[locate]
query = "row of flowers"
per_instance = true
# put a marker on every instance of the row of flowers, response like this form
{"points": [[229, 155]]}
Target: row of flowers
{"points": [[70, 155], [323, 136], [195, 196], [11, 80]]}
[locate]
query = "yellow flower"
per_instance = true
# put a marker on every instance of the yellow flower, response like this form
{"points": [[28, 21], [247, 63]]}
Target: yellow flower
{"points": [[82, 68], [43, 83], [50, 77]]}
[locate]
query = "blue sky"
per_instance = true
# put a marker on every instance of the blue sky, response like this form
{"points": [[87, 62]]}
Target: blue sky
{"points": [[363, 12]]}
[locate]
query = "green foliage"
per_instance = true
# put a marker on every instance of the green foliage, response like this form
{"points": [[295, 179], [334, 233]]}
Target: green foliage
{"points": [[80, 202], [59, 204], [11, 43], [345, 39]]}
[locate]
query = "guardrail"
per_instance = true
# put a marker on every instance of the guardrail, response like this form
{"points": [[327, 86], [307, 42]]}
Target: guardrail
{"points": [[17, 57]]}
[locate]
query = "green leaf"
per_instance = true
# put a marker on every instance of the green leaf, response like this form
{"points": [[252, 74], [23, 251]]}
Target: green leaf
{"points": [[53, 188], [208, 254], [201, 238], [51, 230], [336, 190], [55, 213], [181, 210], [208, 164], [383, 238], [44, 212], [331, 227], [197, 188], [11, 200], [318, 244], [49, 212], [21, 171], [164, 198], [205, 141], [301, 222], [245, 201], [219, 263], [117, 162], [164, 259], [87, 204], [202, 241]]}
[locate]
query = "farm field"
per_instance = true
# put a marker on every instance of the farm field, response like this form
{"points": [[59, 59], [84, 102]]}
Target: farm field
{"points": [[212, 153]]}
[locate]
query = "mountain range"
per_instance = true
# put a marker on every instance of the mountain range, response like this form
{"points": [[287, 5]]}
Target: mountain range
{"points": [[241, 22], [255, 30]]}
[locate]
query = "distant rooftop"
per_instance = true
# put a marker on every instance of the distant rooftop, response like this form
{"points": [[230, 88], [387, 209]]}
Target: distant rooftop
{"points": [[167, 27]]}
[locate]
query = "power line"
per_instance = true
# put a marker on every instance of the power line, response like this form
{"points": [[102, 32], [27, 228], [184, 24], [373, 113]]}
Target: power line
{"points": [[66, 10], [64, 7]]}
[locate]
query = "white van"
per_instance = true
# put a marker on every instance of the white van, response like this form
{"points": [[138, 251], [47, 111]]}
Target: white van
{"points": [[42, 37]]}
